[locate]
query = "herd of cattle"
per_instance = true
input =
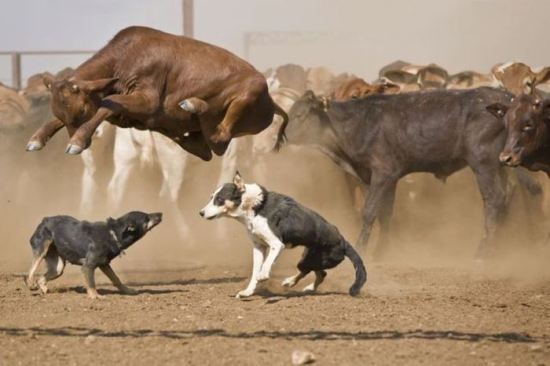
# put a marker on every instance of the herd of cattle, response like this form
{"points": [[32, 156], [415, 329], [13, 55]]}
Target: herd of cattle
{"points": [[377, 132]]}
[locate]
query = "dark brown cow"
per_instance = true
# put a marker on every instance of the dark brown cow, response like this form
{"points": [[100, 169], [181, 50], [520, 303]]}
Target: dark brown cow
{"points": [[359, 88], [199, 95], [527, 121]]}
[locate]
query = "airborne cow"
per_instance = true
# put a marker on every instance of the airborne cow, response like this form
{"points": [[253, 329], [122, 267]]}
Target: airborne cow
{"points": [[199, 95], [382, 138]]}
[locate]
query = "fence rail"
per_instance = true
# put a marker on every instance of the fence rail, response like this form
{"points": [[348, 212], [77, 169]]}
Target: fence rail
{"points": [[16, 61]]}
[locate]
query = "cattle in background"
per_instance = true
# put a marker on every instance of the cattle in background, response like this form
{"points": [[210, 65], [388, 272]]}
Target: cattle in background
{"points": [[411, 77], [385, 137], [290, 76], [14, 107], [169, 88], [519, 78], [320, 80], [470, 80], [432, 76], [358, 88]]}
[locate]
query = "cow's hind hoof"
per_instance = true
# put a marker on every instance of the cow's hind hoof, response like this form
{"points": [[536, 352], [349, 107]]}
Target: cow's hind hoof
{"points": [[187, 106], [34, 146], [73, 149]]}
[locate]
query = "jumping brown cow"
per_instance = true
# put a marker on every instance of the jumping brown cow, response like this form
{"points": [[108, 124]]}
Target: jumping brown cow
{"points": [[199, 95]]}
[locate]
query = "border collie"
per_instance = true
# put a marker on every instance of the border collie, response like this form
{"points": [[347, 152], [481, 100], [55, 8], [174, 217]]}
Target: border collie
{"points": [[88, 244], [275, 221]]}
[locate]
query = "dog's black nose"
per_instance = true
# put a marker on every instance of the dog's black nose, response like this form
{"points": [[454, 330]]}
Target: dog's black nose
{"points": [[201, 212]]}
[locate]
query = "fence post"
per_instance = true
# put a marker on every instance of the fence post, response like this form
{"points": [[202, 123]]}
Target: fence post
{"points": [[16, 70], [188, 15]]}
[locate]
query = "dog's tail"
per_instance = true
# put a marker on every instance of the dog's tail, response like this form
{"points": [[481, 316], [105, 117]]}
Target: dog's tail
{"points": [[360, 270]]}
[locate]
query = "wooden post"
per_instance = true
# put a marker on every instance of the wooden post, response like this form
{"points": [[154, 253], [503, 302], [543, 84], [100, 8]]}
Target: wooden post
{"points": [[16, 70], [188, 18]]}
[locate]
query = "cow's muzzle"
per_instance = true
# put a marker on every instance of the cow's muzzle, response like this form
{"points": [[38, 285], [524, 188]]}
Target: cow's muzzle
{"points": [[510, 158]]}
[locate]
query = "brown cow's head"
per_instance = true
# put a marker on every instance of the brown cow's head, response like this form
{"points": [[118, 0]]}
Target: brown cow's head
{"points": [[307, 119], [74, 102], [527, 122]]}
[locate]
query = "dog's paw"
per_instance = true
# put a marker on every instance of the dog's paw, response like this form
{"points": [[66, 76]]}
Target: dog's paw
{"points": [[309, 288], [262, 276], [289, 282], [244, 293], [128, 290], [95, 296], [42, 285]]}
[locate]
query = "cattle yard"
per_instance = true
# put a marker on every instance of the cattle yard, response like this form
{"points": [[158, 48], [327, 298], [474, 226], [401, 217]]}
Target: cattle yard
{"points": [[448, 206]]}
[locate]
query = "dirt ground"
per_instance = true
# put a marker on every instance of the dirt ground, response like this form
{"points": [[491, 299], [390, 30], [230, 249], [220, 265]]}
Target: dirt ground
{"points": [[428, 303], [406, 315]]}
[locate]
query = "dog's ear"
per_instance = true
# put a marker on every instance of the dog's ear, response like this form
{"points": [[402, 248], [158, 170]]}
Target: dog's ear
{"points": [[238, 181]]}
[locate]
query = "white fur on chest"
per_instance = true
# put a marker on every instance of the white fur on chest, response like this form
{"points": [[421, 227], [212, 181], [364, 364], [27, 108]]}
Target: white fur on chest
{"points": [[258, 228]]}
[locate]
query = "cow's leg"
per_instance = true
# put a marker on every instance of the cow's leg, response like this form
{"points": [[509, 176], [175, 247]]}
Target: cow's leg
{"points": [[125, 156], [89, 186], [492, 185], [173, 162], [135, 103], [229, 162], [380, 186], [43, 134], [108, 271], [384, 218]]}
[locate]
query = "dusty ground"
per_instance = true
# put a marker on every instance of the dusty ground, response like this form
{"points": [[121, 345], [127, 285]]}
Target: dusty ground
{"points": [[425, 315]]}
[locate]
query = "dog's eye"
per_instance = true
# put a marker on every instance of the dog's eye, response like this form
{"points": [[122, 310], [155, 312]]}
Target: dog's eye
{"points": [[219, 201]]}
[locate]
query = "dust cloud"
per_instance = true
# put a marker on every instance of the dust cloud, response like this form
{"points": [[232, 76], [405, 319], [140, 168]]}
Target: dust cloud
{"points": [[435, 223]]}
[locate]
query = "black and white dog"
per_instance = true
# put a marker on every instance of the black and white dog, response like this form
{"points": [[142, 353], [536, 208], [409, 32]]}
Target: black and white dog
{"points": [[88, 244], [275, 221]]}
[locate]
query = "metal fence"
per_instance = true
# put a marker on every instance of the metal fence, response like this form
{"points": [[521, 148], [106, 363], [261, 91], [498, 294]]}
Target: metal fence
{"points": [[16, 56]]}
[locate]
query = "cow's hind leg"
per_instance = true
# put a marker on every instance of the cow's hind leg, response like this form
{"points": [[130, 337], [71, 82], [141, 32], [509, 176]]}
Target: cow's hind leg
{"points": [[379, 192], [194, 105], [55, 266], [384, 218]]}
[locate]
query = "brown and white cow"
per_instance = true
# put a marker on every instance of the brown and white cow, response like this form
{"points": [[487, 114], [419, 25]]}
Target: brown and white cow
{"points": [[519, 78], [199, 95]]}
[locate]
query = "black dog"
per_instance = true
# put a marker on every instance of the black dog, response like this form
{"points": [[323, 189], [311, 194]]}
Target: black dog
{"points": [[88, 244], [274, 222]]}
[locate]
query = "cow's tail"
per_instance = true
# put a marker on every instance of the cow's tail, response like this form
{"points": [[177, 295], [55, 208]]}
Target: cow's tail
{"points": [[360, 270], [281, 137]]}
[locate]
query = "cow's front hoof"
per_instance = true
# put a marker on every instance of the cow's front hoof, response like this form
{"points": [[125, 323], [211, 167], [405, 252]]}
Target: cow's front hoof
{"points": [[73, 149], [34, 146]]}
